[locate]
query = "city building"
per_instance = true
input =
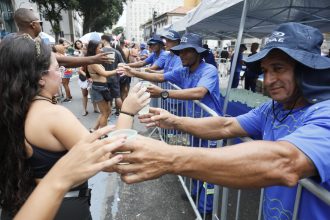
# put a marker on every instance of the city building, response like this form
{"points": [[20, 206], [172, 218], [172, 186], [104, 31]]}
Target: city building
{"points": [[162, 21], [140, 11], [7, 24]]}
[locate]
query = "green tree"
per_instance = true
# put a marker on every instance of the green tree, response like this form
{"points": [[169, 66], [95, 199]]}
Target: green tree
{"points": [[100, 14], [51, 9], [118, 30]]}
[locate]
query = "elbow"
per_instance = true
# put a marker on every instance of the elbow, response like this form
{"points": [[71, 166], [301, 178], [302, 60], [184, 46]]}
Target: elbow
{"points": [[288, 168], [199, 94]]}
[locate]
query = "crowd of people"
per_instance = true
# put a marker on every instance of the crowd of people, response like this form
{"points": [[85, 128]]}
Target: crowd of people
{"points": [[52, 161]]}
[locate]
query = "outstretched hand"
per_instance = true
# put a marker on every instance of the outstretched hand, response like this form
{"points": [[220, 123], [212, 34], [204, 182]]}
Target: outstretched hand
{"points": [[101, 58], [149, 159], [158, 117], [86, 158], [137, 98]]}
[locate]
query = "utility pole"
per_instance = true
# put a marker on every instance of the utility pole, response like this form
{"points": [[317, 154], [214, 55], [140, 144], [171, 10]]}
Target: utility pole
{"points": [[154, 15]]}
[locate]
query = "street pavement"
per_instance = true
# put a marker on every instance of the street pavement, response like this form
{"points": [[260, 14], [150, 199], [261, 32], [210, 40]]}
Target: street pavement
{"points": [[115, 200]]}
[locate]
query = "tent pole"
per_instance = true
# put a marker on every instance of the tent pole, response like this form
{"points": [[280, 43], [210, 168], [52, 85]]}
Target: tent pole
{"points": [[238, 42]]}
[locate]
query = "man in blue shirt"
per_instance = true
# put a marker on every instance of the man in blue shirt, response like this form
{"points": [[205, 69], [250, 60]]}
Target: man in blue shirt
{"points": [[158, 53], [293, 131], [199, 81], [143, 53], [172, 61], [238, 66]]}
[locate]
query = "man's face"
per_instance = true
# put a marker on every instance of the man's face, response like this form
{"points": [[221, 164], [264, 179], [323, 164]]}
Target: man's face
{"points": [[279, 79], [188, 57], [170, 43], [155, 47], [36, 24]]}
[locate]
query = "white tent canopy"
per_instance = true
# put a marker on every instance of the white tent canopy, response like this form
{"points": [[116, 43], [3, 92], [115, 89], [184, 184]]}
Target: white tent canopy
{"points": [[220, 19]]}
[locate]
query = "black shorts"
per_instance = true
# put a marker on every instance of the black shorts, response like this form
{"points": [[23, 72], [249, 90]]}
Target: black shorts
{"points": [[113, 84], [75, 208]]}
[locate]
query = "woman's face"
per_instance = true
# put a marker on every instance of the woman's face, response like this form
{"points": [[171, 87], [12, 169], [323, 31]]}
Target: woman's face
{"points": [[79, 45], [51, 81], [98, 49]]}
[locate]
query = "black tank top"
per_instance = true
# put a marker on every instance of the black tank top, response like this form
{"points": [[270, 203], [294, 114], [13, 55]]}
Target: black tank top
{"points": [[43, 160]]}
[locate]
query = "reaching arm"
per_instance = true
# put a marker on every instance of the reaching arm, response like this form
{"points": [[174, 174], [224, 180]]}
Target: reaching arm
{"points": [[206, 128], [247, 165], [68, 61], [153, 77], [84, 160], [137, 98], [137, 64], [101, 71], [196, 93]]}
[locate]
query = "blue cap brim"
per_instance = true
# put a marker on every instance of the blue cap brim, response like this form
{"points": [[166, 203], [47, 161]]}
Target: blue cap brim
{"points": [[176, 49], [312, 60], [170, 38]]}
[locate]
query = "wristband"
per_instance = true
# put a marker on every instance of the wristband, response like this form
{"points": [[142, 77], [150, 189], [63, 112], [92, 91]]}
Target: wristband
{"points": [[126, 113]]}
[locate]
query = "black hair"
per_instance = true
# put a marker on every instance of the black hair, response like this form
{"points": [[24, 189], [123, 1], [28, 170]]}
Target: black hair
{"points": [[61, 41], [91, 47], [106, 37], [117, 47], [75, 45], [22, 64]]}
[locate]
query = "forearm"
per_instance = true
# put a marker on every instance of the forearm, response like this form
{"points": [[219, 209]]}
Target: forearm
{"points": [[124, 121], [248, 165], [44, 201], [210, 127], [153, 77], [187, 94], [136, 64], [73, 61]]}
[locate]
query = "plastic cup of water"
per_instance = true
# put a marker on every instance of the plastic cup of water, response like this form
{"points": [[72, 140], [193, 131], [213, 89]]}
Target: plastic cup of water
{"points": [[145, 109], [130, 135]]}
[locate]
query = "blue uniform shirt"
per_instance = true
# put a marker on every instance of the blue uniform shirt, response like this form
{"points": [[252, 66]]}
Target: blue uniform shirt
{"points": [[308, 128], [172, 61], [205, 76], [153, 57]]}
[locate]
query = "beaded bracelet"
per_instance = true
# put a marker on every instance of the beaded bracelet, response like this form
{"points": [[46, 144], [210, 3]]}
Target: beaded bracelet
{"points": [[127, 113]]}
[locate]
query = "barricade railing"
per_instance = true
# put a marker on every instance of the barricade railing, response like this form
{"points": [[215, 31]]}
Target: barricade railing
{"points": [[226, 203]]}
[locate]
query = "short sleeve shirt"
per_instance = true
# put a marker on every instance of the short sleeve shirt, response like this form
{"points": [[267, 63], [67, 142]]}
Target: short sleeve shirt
{"points": [[154, 57], [114, 65], [308, 128], [205, 76], [172, 61]]}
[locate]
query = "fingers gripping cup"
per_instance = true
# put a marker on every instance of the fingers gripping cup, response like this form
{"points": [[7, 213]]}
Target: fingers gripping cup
{"points": [[129, 133], [145, 109]]}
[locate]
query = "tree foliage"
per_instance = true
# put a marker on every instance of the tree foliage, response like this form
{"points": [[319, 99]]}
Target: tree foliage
{"points": [[51, 9], [118, 30], [100, 14]]}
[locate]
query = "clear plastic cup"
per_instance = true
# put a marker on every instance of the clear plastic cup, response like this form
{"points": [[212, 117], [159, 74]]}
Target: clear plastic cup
{"points": [[145, 109], [129, 133]]}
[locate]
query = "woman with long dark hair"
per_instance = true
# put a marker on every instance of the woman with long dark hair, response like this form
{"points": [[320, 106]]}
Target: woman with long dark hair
{"points": [[35, 132], [100, 93]]}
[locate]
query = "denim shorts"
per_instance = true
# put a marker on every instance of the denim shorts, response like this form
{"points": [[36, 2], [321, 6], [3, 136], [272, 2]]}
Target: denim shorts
{"points": [[97, 87]]}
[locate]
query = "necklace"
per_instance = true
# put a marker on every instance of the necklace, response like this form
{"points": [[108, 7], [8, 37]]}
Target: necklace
{"points": [[52, 100]]}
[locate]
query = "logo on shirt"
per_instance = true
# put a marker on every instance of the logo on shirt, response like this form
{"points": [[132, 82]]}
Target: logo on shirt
{"points": [[170, 34], [276, 37]]}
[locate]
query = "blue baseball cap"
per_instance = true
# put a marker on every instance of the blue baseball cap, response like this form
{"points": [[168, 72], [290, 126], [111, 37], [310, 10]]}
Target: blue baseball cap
{"points": [[171, 35], [301, 42], [142, 46], [156, 39], [189, 40]]}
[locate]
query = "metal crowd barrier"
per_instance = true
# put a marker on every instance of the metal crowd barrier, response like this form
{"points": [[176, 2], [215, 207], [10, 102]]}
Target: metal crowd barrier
{"points": [[227, 203]]}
